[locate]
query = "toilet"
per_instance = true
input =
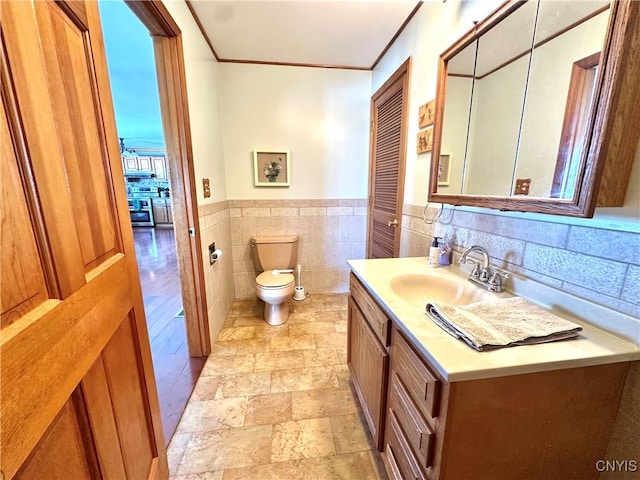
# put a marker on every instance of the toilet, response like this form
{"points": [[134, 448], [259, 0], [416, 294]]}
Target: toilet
{"points": [[270, 255]]}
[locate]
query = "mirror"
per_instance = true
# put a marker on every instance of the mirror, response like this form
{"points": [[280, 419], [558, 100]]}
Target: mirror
{"points": [[500, 82], [517, 103]]}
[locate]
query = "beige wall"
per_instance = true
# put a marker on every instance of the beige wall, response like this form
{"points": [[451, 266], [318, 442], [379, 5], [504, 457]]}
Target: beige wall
{"points": [[320, 115], [203, 84]]}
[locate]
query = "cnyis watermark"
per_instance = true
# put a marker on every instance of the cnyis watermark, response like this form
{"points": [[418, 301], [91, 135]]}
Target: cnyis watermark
{"points": [[617, 465]]}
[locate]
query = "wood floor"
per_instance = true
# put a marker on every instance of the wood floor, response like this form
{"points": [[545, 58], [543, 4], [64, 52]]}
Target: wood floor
{"points": [[176, 373]]}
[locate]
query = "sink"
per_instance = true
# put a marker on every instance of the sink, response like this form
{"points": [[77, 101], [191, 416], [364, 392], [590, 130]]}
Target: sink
{"points": [[419, 288]]}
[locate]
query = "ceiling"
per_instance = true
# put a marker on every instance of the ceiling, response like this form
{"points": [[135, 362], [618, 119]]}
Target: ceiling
{"points": [[346, 33]]}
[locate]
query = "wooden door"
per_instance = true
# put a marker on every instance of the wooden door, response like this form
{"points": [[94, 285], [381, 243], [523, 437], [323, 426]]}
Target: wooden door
{"points": [[78, 396], [389, 107]]}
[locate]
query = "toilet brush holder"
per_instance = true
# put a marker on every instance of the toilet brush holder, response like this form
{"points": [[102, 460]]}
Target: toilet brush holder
{"points": [[298, 293]]}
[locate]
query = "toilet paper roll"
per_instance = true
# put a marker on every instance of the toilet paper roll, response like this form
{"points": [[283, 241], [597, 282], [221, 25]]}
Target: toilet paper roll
{"points": [[216, 255]]}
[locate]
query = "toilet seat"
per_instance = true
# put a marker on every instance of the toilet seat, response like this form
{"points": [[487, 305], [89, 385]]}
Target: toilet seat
{"points": [[268, 281]]}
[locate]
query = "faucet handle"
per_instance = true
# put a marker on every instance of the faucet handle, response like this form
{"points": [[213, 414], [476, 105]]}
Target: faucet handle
{"points": [[494, 279], [475, 271]]}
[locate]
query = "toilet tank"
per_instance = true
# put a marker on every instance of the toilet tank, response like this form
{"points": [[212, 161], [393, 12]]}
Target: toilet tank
{"points": [[274, 252]]}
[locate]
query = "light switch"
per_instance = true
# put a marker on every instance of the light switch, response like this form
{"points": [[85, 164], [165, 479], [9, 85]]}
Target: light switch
{"points": [[206, 187]]}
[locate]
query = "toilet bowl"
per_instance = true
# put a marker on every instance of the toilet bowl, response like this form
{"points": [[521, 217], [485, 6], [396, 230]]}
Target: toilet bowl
{"points": [[271, 255], [274, 289]]}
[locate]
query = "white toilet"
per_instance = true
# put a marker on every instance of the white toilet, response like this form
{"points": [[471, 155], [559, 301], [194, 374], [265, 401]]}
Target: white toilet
{"points": [[270, 254]]}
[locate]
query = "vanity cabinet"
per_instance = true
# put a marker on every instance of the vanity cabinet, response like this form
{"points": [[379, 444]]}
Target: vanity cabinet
{"points": [[551, 424], [367, 356]]}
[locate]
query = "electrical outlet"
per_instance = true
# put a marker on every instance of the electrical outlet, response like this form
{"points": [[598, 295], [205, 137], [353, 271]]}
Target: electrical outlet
{"points": [[212, 248]]}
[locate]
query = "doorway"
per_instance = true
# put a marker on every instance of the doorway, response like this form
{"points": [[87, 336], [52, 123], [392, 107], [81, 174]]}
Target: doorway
{"points": [[388, 142], [166, 255]]}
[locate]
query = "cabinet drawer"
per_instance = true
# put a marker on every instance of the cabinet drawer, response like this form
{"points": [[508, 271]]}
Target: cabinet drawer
{"points": [[372, 312], [421, 384], [417, 432], [398, 458]]}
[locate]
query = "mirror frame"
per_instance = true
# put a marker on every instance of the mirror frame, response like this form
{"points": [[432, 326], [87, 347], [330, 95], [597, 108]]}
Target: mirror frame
{"points": [[615, 116]]}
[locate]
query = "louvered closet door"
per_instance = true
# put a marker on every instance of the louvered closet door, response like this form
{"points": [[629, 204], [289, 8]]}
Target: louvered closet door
{"points": [[386, 180]]}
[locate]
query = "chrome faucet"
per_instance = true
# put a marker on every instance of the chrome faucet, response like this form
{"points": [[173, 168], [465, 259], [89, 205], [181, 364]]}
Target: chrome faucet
{"points": [[484, 276]]}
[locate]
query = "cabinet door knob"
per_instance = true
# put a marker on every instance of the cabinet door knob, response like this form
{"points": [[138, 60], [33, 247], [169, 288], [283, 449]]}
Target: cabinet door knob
{"points": [[393, 223]]}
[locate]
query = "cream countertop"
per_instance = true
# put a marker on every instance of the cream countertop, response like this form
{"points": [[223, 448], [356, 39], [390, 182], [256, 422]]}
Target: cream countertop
{"points": [[456, 361]]}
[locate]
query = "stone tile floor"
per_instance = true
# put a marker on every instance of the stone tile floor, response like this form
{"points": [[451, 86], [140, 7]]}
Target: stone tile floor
{"points": [[276, 402]]}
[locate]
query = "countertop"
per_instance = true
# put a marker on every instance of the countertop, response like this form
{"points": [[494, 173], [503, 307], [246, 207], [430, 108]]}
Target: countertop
{"points": [[456, 361]]}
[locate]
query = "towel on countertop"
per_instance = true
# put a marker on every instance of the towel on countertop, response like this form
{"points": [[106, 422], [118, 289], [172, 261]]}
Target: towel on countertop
{"points": [[501, 323]]}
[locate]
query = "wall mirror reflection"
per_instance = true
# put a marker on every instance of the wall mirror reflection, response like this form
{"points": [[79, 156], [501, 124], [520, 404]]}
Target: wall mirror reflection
{"points": [[518, 98]]}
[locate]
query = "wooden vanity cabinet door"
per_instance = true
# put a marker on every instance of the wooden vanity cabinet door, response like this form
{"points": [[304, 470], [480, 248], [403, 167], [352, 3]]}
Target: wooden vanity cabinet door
{"points": [[368, 363]]}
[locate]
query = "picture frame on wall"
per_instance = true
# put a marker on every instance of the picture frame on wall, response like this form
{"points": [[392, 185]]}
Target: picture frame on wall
{"points": [[426, 114], [444, 170], [425, 141], [271, 168]]}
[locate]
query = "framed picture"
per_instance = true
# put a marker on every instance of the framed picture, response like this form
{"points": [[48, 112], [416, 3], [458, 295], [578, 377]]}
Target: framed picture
{"points": [[425, 141], [426, 113], [271, 168], [444, 169]]}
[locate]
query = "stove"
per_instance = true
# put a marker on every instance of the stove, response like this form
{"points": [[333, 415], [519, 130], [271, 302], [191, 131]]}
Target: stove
{"points": [[141, 211]]}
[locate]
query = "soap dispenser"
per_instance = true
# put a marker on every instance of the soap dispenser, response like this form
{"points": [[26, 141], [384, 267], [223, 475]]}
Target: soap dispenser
{"points": [[434, 253]]}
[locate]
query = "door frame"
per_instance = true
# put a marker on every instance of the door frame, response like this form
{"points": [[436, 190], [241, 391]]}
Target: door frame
{"points": [[403, 70], [174, 109]]}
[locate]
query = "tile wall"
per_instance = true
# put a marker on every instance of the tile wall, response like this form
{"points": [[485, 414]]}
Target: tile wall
{"points": [[600, 265], [331, 232], [215, 227]]}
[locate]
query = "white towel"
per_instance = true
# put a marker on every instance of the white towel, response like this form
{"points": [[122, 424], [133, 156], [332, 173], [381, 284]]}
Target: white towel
{"points": [[501, 323]]}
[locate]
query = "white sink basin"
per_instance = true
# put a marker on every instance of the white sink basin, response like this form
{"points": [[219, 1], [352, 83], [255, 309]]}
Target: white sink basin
{"points": [[420, 288]]}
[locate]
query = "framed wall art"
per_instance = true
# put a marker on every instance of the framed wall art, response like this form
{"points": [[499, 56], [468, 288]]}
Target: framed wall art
{"points": [[425, 141], [444, 169], [271, 168], [426, 114]]}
